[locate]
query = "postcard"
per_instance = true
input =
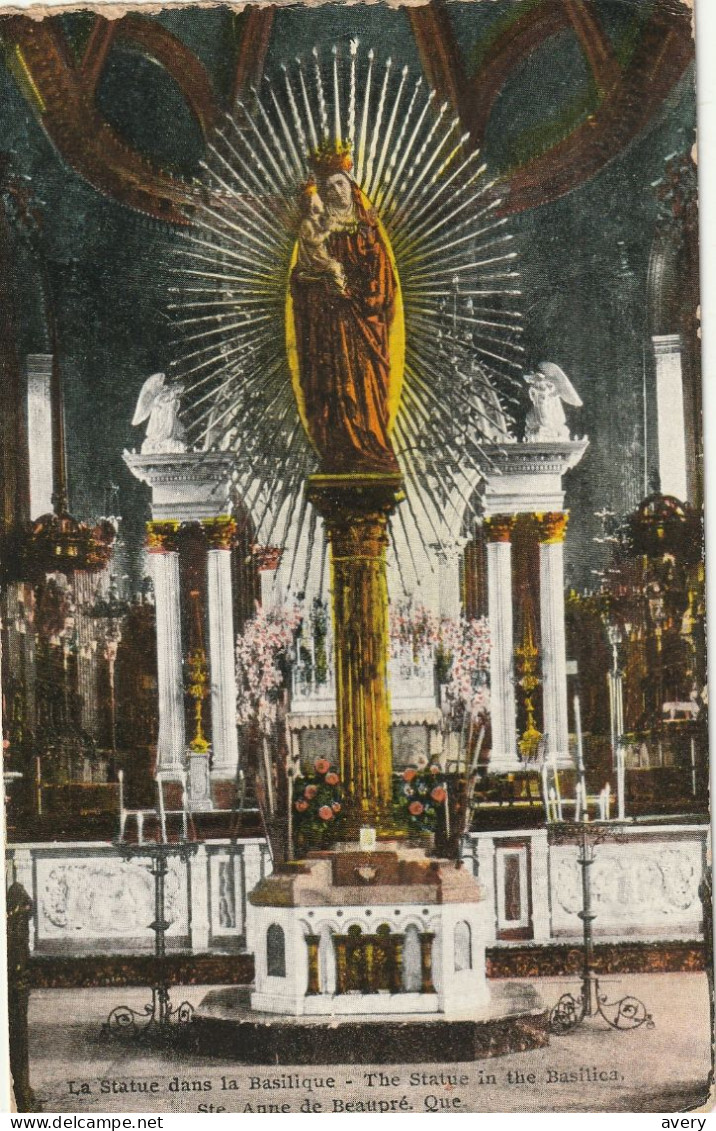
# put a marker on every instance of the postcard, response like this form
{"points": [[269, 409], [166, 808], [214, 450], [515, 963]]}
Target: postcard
{"points": [[352, 588]]}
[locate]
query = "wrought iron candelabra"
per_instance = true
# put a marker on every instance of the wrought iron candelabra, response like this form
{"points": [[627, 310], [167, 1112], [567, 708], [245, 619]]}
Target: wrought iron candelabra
{"points": [[158, 1017], [626, 1013]]}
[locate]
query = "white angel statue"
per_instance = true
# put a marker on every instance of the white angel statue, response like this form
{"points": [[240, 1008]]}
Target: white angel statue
{"points": [[548, 388], [159, 404]]}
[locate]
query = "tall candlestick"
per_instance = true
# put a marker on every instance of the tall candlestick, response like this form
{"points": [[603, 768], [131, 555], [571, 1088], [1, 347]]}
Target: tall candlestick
{"points": [[580, 756]]}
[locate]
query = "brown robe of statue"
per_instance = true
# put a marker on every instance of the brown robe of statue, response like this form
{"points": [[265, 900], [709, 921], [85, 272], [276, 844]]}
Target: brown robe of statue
{"points": [[343, 351]]}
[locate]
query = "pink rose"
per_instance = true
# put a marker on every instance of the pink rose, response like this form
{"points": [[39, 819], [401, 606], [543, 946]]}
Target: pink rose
{"points": [[415, 808], [302, 806], [310, 792], [434, 769], [336, 807], [321, 766], [325, 813], [408, 775], [438, 794], [332, 779]]}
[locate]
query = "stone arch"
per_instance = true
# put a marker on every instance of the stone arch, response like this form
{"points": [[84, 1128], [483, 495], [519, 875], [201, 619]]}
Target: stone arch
{"points": [[333, 925], [350, 926], [411, 921]]}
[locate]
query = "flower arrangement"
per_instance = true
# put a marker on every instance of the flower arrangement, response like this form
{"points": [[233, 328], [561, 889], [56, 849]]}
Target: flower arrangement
{"points": [[461, 649], [318, 806], [262, 654], [466, 687], [420, 797]]}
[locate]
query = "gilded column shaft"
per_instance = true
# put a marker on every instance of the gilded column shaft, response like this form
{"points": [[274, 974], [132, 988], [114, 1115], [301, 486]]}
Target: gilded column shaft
{"points": [[396, 971], [355, 513], [341, 965], [426, 962], [312, 944], [361, 636]]}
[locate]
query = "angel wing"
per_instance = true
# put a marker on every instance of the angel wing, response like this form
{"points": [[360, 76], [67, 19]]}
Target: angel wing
{"points": [[563, 386], [150, 388]]}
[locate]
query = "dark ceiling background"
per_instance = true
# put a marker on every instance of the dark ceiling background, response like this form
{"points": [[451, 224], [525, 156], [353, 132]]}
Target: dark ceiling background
{"points": [[584, 257]]}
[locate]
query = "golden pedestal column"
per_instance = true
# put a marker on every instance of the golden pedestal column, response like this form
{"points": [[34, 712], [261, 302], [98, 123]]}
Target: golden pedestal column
{"points": [[355, 510]]}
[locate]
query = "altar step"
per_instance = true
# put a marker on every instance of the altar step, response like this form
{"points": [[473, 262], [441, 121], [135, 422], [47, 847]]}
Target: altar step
{"points": [[225, 1026]]}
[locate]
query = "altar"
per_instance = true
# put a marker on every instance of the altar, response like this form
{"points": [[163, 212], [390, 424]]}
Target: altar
{"points": [[369, 927], [387, 931]]}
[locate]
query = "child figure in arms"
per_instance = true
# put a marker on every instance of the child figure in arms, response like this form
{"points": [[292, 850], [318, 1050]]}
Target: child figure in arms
{"points": [[313, 234]]}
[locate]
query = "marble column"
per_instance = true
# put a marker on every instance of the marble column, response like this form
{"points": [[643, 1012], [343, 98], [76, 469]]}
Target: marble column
{"points": [[498, 530], [164, 557], [551, 530], [39, 432], [449, 598], [220, 533], [671, 431]]}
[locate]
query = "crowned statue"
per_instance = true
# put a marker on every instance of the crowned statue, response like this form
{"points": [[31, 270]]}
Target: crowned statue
{"points": [[343, 291]]}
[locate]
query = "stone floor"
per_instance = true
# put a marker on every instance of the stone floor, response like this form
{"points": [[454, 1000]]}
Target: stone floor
{"points": [[593, 1068]]}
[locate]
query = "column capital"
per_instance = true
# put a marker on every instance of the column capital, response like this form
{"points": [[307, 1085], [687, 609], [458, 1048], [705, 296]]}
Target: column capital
{"points": [[665, 344], [162, 536], [499, 527], [355, 510], [220, 532], [340, 498], [551, 526]]}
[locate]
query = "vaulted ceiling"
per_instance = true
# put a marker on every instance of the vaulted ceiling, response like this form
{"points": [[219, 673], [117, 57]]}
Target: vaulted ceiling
{"points": [[68, 68]]}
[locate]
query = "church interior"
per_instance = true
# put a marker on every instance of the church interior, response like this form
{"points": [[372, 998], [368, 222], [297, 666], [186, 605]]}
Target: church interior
{"points": [[172, 665]]}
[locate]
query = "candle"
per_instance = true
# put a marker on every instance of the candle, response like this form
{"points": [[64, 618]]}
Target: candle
{"points": [[580, 756], [620, 782], [162, 815], [693, 766], [578, 728]]}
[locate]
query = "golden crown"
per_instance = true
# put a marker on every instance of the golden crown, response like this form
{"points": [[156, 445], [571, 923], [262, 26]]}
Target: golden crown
{"points": [[331, 157]]}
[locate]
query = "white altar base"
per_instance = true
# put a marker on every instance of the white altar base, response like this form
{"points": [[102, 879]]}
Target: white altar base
{"points": [[432, 917]]}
